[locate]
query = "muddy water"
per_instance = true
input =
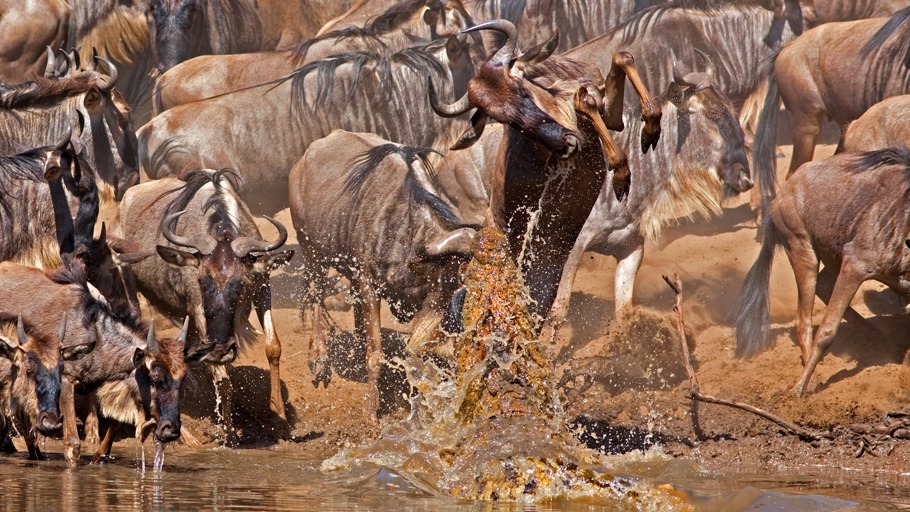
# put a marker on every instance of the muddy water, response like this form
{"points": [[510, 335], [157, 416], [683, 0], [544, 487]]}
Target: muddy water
{"points": [[276, 480]]}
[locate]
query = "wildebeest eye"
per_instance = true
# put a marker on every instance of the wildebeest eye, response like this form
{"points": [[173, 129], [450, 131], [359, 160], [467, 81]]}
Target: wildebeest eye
{"points": [[30, 371]]}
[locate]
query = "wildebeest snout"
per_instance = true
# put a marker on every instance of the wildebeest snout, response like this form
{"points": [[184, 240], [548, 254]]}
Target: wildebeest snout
{"points": [[571, 141], [738, 177], [168, 430], [49, 423]]}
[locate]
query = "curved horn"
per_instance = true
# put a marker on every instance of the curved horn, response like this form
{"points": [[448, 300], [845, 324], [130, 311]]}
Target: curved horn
{"points": [[111, 72], [151, 343], [77, 59], [709, 68], [181, 338], [242, 246], [72, 63], [91, 64], [454, 110], [455, 242], [20, 331], [543, 50], [504, 56], [51, 63], [204, 244], [677, 74], [61, 331], [65, 138]]}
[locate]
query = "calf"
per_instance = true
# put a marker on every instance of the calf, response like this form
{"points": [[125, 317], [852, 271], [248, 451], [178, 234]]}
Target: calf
{"points": [[880, 127], [849, 212]]}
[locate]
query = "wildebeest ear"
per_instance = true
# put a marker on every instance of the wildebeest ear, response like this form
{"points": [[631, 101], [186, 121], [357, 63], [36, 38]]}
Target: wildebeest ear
{"points": [[138, 357], [77, 352], [129, 258], [541, 51], [268, 262], [177, 257], [8, 348], [679, 94], [472, 134]]}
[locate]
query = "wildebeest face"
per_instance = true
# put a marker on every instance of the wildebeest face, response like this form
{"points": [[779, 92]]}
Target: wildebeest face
{"points": [[707, 114], [36, 372], [176, 30], [160, 371]]}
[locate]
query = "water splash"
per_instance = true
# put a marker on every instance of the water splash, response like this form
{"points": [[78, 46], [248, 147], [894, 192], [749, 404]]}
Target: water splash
{"points": [[491, 428], [159, 455]]}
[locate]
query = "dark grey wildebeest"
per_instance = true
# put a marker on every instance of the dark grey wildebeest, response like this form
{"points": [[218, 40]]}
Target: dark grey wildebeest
{"points": [[358, 91], [849, 212], [43, 299], [30, 373], [213, 266]]}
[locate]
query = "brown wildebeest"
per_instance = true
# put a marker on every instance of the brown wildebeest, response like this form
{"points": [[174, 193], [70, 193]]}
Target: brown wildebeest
{"points": [[401, 26], [28, 28], [848, 212], [836, 70], [285, 23], [882, 126], [182, 29], [369, 209], [817, 12], [539, 201], [30, 372], [215, 265], [356, 91], [42, 299]]}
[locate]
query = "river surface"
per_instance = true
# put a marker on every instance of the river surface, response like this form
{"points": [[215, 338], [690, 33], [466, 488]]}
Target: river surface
{"points": [[251, 479]]}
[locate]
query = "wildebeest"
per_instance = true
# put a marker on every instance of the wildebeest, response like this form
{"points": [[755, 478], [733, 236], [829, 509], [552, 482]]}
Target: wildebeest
{"points": [[40, 112], [358, 91], [826, 11], [182, 29], [882, 126], [836, 70], [848, 212], [27, 28], [403, 25], [30, 371], [369, 209], [700, 160], [213, 267], [42, 299], [286, 23]]}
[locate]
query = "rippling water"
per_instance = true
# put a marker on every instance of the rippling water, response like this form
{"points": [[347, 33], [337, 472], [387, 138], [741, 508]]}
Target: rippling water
{"points": [[279, 480]]}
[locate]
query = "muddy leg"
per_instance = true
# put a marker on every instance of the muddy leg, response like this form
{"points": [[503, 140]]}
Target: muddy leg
{"points": [[805, 268], [372, 335], [91, 421], [614, 88], [104, 448], [226, 393], [848, 281], [31, 439], [616, 157], [272, 348], [318, 352], [560, 310], [71, 444], [626, 270]]}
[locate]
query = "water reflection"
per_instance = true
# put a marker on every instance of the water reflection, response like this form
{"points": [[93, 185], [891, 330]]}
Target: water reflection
{"points": [[276, 480]]}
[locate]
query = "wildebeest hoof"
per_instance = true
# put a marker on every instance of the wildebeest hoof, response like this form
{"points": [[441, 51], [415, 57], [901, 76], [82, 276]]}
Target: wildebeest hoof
{"points": [[100, 458], [621, 186], [321, 372], [650, 135]]}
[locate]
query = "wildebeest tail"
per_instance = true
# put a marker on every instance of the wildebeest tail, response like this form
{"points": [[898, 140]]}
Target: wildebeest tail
{"points": [[763, 148], [752, 307]]}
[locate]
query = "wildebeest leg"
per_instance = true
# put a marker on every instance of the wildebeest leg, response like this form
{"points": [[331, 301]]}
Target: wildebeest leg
{"points": [[805, 126], [31, 439], [614, 88], [91, 421], [826, 279], [6, 444], [848, 281], [319, 361], [372, 333], [586, 104], [226, 394], [104, 447], [805, 268], [71, 445], [272, 347], [560, 309], [626, 269]]}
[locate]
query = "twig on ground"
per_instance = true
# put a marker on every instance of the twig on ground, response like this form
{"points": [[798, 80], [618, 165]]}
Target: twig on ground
{"points": [[696, 394]]}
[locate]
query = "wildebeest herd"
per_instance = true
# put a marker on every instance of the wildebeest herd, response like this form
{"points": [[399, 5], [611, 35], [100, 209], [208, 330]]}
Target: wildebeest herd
{"points": [[394, 130]]}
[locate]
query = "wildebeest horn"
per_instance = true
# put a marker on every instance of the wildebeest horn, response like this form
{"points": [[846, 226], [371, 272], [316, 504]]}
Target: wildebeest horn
{"points": [[455, 242], [204, 244], [93, 61], [51, 66], [677, 74], [61, 331], [20, 331], [151, 344], [504, 56], [454, 110], [541, 51], [65, 138], [242, 246], [111, 72], [709, 68], [181, 338]]}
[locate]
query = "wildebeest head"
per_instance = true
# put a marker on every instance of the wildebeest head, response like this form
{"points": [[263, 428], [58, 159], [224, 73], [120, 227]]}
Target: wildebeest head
{"points": [[528, 92], [706, 113], [228, 263], [37, 366], [101, 120], [160, 370]]}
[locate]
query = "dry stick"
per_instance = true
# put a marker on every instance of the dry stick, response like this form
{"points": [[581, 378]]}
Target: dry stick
{"points": [[696, 394]]}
